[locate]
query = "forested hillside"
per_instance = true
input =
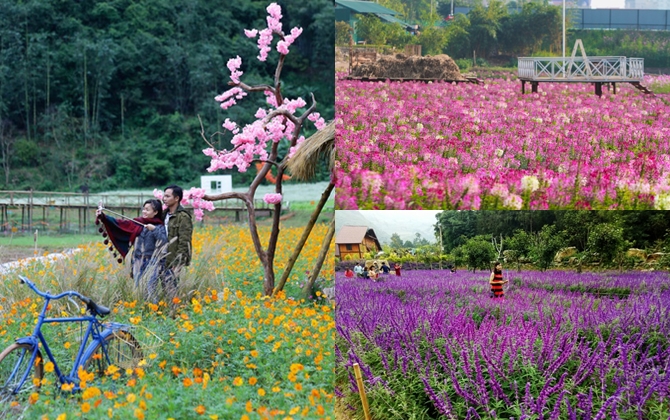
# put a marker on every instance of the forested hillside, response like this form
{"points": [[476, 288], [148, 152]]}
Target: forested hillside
{"points": [[107, 93]]}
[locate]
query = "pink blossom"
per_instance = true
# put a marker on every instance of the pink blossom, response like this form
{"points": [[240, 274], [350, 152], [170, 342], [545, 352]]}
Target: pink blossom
{"points": [[226, 98], [271, 98], [282, 47], [234, 65], [320, 124], [158, 194], [293, 104], [272, 198], [229, 125], [274, 10], [251, 33]]}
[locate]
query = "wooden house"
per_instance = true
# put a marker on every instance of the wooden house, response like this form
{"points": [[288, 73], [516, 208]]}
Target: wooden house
{"points": [[354, 241]]}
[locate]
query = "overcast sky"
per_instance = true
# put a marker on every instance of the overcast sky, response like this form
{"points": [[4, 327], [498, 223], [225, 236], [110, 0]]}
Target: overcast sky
{"points": [[406, 223]]}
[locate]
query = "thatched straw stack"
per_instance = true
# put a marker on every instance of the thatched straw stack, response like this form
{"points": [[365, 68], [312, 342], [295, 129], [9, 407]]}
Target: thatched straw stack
{"points": [[305, 161], [438, 67]]}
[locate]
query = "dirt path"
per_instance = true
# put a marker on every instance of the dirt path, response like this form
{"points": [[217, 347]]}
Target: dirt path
{"points": [[14, 253]]}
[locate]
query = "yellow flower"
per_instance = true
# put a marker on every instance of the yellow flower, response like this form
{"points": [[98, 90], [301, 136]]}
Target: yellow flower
{"points": [[249, 407], [111, 369], [33, 398], [49, 367], [254, 353], [131, 398], [90, 393], [261, 392], [238, 381], [139, 414], [62, 417], [85, 407]]}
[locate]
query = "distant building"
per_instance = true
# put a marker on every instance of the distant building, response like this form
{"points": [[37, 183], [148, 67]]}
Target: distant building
{"points": [[348, 10], [354, 241]]}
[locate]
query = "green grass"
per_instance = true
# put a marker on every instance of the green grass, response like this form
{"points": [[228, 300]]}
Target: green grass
{"points": [[50, 241]]}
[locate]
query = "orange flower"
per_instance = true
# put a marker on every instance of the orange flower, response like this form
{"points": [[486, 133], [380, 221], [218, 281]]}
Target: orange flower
{"points": [[249, 407], [176, 371], [187, 382], [200, 409], [33, 398], [253, 381], [85, 407]]}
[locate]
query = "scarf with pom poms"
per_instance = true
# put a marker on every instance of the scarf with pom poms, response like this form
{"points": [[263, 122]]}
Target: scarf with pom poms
{"points": [[122, 233]]}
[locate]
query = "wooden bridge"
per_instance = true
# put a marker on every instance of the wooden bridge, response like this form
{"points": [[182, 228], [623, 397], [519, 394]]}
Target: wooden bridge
{"points": [[76, 211], [597, 70]]}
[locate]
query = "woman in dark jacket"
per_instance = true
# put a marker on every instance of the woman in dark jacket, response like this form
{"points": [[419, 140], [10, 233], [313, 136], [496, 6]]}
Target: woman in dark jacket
{"points": [[148, 258], [149, 249]]}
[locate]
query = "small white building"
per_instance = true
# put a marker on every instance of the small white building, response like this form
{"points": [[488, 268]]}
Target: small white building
{"points": [[216, 184]]}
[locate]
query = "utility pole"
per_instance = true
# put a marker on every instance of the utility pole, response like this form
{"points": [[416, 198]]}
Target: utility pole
{"points": [[563, 32]]}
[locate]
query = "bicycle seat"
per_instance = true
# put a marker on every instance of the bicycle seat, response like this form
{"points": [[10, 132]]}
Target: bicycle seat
{"points": [[98, 309]]}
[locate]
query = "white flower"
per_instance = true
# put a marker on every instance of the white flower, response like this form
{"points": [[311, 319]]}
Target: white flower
{"points": [[662, 202], [530, 182], [499, 152]]}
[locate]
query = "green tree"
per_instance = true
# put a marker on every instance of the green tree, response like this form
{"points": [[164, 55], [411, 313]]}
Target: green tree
{"points": [[518, 247], [458, 37], [433, 40], [545, 244], [607, 241], [485, 25], [371, 29], [478, 252], [396, 242], [536, 27], [342, 33]]}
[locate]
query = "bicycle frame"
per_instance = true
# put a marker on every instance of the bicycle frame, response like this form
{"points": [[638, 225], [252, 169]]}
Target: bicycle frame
{"points": [[97, 331]]}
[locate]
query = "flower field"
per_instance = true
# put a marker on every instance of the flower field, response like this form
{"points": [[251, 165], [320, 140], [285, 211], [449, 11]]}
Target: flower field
{"points": [[559, 346], [414, 145], [229, 353]]}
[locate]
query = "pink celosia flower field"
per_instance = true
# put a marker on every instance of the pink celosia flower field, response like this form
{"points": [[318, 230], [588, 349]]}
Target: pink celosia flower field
{"points": [[443, 146]]}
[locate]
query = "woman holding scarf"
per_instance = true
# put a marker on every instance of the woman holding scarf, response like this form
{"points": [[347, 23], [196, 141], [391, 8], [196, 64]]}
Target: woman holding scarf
{"points": [[148, 244]]}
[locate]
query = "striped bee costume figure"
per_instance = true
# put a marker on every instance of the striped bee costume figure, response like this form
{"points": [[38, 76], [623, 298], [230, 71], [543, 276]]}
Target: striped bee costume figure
{"points": [[496, 281]]}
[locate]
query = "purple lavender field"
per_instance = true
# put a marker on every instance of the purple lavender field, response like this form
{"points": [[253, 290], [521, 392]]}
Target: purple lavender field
{"points": [[433, 345]]}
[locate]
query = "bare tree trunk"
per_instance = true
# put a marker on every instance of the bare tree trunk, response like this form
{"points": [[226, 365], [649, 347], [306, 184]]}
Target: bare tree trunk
{"points": [[303, 239], [325, 246]]}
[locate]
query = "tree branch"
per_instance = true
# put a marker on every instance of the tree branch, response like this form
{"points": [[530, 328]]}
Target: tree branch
{"points": [[227, 196], [256, 88]]}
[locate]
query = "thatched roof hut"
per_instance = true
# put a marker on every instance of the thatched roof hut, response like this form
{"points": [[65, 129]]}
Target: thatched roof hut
{"points": [[305, 161]]}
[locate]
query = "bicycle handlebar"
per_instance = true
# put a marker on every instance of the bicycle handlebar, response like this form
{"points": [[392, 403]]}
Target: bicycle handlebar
{"points": [[30, 284]]}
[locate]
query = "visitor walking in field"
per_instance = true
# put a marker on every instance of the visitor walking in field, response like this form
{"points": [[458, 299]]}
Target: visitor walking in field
{"points": [[179, 226], [496, 281], [148, 238]]}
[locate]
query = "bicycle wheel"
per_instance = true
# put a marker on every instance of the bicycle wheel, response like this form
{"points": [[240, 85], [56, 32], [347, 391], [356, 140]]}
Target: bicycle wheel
{"points": [[14, 361], [123, 351]]}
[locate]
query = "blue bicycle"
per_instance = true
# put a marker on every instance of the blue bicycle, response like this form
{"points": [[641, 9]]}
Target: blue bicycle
{"points": [[111, 344]]}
